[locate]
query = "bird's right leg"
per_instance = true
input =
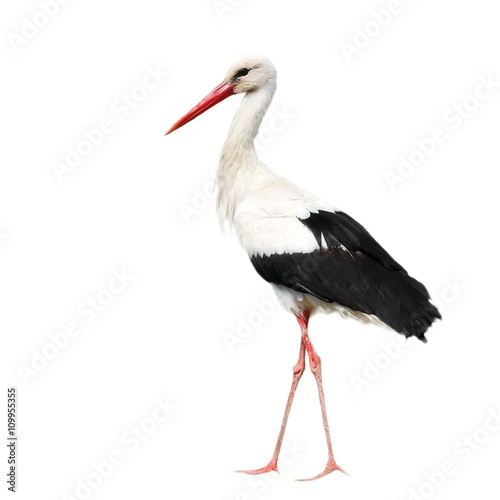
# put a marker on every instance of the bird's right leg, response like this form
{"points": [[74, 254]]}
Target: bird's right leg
{"points": [[298, 370], [315, 365]]}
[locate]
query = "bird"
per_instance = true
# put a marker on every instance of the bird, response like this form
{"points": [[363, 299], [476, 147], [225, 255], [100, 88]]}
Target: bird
{"points": [[317, 258]]}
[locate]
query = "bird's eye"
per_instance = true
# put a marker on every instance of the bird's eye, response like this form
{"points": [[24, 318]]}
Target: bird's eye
{"points": [[241, 72]]}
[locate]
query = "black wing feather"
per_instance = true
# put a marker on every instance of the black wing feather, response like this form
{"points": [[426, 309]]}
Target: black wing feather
{"points": [[353, 271]]}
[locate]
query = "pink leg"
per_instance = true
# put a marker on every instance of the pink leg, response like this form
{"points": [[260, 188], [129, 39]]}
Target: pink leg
{"points": [[298, 370], [315, 365]]}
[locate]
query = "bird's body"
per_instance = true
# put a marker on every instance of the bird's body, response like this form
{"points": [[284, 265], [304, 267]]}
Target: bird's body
{"points": [[318, 259]]}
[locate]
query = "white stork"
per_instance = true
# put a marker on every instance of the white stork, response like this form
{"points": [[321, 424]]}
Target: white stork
{"points": [[317, 258]]}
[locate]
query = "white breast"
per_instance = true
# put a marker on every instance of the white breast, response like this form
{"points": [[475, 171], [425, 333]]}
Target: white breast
{"points": [[267, 218]]}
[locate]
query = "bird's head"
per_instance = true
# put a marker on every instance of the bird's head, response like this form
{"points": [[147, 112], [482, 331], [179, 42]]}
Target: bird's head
{"points": [[249, 73]]}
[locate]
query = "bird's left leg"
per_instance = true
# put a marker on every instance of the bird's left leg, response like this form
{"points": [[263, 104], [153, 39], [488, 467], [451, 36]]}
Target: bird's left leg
{"points": [[315, 365], [298, 370]]}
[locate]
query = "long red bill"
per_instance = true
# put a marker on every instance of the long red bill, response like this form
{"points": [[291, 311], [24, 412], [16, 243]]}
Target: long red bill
{"points": [[218, 94]]}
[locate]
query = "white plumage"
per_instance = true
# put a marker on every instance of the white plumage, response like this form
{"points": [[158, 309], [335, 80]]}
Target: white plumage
{"points": [[315, 257]]}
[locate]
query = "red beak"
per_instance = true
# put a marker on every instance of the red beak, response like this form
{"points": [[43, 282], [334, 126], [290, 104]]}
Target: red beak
{"points": [[218, 94]]}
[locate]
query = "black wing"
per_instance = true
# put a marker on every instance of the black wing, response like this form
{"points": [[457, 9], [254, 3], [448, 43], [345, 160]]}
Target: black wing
{"points": [[353, 270]]}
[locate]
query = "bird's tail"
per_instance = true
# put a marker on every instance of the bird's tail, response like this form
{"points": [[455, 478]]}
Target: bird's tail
{"points": [[415, 313]]}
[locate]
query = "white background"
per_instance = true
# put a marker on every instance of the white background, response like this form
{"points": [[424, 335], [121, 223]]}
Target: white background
{"points": [[177, 330]]}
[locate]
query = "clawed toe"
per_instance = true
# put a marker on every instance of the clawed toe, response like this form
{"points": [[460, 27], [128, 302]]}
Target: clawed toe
{"points": [[270, 467], [330, 467]]}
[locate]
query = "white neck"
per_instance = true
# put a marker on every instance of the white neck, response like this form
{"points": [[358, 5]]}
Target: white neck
{"points": [[238, 162]]}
